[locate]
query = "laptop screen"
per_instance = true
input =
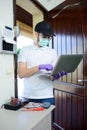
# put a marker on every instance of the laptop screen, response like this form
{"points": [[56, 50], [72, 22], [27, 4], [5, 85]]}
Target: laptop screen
{"points": [[67, 63]]}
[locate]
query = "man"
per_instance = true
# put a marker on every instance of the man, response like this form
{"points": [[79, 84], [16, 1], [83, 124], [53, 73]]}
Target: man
{"points": [[32, 60]]}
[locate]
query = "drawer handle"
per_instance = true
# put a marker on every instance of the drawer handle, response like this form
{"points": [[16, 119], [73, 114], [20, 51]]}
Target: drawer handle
{"points": [[82, 80]]}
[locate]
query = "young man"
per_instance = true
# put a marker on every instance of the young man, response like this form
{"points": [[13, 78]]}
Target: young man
{"points": [[34, 58]]}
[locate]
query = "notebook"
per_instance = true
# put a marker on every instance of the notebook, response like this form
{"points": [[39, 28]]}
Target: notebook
{"points": [[67, 63]]}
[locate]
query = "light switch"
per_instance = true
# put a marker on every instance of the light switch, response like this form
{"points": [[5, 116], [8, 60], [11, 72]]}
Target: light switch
{"points": [[8, 71]]}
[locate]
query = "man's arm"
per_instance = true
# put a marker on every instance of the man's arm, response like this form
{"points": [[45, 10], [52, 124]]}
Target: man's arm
{"points": [[23, 71]]}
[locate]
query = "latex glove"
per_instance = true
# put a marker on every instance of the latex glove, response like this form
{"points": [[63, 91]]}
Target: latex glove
{"points": [[47, 67], [63, 73], [57, 76]]}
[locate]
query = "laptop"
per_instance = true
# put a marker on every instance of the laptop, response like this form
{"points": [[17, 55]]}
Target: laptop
{"points": [[67, 63]]}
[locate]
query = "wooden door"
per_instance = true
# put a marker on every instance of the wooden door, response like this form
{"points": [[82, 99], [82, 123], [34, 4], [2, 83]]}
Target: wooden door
{"points": [[85, 60], [70, 28], [69, 111]]}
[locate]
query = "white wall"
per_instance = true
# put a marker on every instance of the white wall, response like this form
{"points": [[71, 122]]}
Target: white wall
{"points": [[6, 60]]}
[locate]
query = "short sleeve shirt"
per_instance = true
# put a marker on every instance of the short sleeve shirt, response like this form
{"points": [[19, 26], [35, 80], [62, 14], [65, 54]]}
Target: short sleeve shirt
{"points": [[37, 86]]}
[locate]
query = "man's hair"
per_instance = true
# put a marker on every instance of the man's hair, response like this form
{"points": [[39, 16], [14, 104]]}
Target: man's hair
{"points": [[44, 28]]}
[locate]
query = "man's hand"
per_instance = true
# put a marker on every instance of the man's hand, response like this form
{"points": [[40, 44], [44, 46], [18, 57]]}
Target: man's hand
{"points": [[57, 76], [47, 67]]}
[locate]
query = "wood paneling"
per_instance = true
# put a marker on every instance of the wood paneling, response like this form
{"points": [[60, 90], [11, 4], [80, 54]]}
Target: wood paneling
{"points": [[25, 30], [68, 27], [69, 111], [69, 38], [85, 59], [24, 16]]}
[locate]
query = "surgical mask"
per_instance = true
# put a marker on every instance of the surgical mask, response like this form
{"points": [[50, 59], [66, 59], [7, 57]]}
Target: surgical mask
{"points": [[43, 42]]}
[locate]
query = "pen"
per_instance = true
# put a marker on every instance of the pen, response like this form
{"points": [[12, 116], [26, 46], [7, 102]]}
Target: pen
{"points": [[33, 109]]}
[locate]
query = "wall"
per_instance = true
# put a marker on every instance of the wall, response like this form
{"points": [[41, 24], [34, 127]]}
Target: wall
{"points": [[6, 60]]}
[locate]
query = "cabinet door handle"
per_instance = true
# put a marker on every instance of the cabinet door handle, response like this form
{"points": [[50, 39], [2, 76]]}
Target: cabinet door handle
{"points": [[82, 80]]}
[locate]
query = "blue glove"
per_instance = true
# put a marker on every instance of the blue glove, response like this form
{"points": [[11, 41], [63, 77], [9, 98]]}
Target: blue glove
{"points": [[57, 76], [47, 67]]}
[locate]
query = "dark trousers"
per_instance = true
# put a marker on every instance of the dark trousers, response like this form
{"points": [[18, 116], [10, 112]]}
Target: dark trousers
{"points": [[51, 100]]}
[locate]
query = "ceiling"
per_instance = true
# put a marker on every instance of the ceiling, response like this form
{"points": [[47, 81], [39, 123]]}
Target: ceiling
{"points": [[31, 8], [28, 6], [49, 4]]}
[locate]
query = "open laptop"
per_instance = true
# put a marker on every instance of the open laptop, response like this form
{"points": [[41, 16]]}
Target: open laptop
{"points": [[67, 63]]}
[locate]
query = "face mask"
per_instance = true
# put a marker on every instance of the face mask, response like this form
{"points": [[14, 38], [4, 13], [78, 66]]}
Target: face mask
{"points": [[43, 42]]}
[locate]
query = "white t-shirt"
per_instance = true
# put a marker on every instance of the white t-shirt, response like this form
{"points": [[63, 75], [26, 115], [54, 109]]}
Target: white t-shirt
{"points": [[37, 86]]}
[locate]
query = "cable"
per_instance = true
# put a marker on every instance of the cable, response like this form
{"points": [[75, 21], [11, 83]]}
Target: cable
{"points": [[67, 6]]}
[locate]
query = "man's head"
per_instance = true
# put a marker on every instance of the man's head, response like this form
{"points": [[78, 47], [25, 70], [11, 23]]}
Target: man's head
{"points": [[44, 33], [44, 28]]}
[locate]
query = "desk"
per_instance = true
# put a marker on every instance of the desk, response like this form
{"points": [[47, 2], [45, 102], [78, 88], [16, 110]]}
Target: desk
{"points": [[29, 120]]}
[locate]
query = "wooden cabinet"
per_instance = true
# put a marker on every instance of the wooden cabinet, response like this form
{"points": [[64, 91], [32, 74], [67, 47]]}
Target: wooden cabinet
{"points": [[69, 111]]}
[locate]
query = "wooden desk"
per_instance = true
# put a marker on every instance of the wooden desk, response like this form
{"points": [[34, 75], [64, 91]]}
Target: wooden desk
{"points": [[29, 120]]}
